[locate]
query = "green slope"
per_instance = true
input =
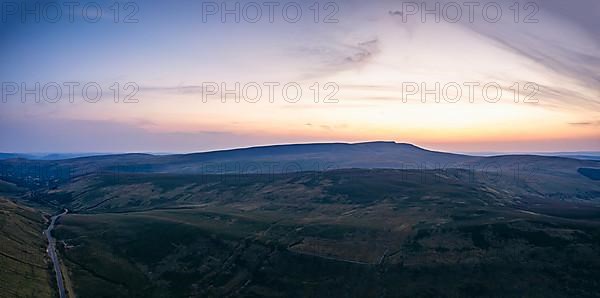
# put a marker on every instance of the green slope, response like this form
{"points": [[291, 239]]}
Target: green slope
{"points": [[24, 268]]}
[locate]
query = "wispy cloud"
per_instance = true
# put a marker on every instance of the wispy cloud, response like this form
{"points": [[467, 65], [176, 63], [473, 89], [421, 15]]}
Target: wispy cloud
{"points": [[586, 123], [335, 57]]}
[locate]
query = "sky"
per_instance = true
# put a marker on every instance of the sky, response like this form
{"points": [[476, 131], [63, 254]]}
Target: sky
{"points": [[499, 76]]}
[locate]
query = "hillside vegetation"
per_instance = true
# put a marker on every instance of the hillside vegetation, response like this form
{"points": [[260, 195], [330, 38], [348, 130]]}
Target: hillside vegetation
{"points": [[354, 233], [320, 220], [24, 268]]}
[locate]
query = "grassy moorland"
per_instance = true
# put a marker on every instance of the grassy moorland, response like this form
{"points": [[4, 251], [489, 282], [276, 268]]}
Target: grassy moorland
{"points": [[393, 220], [24, 268], [357, 233]]}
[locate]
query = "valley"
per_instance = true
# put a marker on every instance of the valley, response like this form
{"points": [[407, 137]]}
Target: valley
{"points": [[355, 232]]}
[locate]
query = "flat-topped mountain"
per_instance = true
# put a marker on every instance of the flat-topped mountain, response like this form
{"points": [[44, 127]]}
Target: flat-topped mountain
{"points": [[291, 158]]}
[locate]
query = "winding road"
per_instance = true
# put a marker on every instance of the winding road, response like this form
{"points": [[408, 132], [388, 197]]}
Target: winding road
{"points": [[52, 253]]}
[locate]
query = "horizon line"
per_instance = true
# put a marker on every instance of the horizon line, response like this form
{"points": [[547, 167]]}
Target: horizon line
{"points": [[158, 153]]}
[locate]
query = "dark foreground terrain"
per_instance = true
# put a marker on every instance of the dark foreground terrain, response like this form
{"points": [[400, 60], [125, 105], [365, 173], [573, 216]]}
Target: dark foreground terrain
{"points": [[24, 268], [357, 233], [410, 232]]}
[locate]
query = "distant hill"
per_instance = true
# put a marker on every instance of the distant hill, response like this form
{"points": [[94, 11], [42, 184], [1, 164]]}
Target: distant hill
{"points": [[45, 156], [585, 155], [595, 157], [299, 158], [14, 155]]}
